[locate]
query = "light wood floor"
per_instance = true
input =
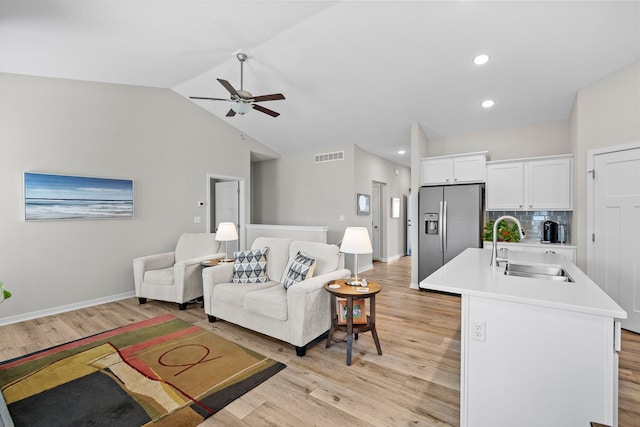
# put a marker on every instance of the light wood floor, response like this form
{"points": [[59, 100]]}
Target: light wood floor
{"points": [[416, 381]]}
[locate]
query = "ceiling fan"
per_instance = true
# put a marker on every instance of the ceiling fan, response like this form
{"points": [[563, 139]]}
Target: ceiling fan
{"points": [[241, 100]]}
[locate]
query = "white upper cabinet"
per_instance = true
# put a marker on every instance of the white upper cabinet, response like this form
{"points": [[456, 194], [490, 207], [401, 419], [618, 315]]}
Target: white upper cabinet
{"points": [[458, 169], [549, 184], [436, 171], [531, 184], [505, 183]]}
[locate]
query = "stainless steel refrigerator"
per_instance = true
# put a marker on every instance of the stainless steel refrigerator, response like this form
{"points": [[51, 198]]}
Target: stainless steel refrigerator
{"points": [[449, 221]]}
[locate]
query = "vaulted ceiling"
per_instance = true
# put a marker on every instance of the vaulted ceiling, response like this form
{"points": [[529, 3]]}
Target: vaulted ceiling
{"points": [[352, 71]]}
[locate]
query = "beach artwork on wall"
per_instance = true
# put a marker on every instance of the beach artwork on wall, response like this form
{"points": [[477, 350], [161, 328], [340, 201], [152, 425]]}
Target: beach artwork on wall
{"points": [[50, 197]]}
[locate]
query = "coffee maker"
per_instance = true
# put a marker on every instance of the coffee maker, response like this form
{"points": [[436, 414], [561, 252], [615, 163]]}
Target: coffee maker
{"points": [[550, 232]]}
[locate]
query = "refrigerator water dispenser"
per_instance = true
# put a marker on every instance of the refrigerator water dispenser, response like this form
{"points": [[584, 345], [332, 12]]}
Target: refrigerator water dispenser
{"points": [[431, 223]]}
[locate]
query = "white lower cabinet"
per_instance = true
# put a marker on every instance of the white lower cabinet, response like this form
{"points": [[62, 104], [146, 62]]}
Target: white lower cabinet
{"points": [[569, 253], [566, 250], [534, 365]]}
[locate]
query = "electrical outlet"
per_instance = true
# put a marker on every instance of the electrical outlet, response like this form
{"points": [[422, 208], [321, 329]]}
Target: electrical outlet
{"points": [[478, 330]]}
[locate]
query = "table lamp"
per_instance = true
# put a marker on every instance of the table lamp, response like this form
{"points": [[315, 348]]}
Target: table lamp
{"points": [[226, 231], [356, 241]]}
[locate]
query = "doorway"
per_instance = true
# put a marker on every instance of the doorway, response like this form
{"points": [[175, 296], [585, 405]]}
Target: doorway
{"points": [[376, 220], [613, 227], [226, 195]]}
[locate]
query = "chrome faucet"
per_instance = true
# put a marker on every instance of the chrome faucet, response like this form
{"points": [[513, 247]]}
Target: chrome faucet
{"points": [[494, 250]]}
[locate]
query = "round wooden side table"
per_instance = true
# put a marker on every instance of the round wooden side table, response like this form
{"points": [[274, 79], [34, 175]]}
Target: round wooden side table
{"points": [[344, 320]]}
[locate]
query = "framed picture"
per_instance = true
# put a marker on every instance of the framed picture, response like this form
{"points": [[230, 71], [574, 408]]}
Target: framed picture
{"points": [[51, 197], [395, 207], [359, 312], [363, 204]]}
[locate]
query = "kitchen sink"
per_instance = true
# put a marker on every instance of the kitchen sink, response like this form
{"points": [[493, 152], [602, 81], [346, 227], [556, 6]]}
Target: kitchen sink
{"points": [[547, 272]]}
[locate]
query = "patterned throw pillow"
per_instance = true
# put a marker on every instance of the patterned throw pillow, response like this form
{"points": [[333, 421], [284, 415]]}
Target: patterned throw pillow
{"points": [[301, 268], [250, 266]]}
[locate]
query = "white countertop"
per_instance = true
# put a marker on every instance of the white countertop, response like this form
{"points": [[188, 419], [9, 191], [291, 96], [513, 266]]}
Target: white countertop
{"points": [[470, 274]]}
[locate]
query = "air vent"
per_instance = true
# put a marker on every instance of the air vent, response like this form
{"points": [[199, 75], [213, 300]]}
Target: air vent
{"points": [[329, 157]]}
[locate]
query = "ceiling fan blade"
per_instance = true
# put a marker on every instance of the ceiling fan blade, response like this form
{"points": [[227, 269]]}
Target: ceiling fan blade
{"points": [[272, 97], [209, 99], [228, 86], [231, 113], [265, 110]]}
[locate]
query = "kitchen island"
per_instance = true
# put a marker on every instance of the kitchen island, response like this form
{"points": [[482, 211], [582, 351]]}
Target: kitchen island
{"points": [[534, 351]]}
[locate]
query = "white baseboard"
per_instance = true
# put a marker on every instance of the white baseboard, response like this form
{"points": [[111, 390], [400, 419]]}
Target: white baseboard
{"points": [[365, 268], [64, 308], [391, 258], [414, 286]]}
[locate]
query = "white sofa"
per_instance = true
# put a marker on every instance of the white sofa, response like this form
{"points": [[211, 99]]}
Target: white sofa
{"points": [[176, 276], [296, 315]]}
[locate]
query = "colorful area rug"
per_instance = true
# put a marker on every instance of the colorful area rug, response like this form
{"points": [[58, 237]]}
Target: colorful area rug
{"points": [[161, 372]]}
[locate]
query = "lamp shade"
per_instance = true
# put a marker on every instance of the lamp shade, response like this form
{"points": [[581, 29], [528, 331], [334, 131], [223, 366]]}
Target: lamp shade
{"points": [[226, 231], [356, 241], [240, 107]]}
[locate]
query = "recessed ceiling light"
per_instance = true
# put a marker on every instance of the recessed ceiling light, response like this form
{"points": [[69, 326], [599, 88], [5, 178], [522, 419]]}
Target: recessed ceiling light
{"points": [[401, 151], [488, 103], [481, 59]]}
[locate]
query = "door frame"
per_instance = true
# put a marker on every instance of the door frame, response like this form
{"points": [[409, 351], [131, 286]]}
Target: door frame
{"points": [[591, 208], [379, 206], [242, 204]]}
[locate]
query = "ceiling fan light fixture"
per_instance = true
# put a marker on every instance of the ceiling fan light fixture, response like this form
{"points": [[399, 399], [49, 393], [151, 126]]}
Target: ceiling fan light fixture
{"points": [[240, 107]]}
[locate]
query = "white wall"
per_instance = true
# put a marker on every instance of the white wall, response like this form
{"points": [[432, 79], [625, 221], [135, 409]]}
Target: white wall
{"points": [[418, 151], [293, 190], [606, 113], [166, 144], [542, 139], [370, 168]]}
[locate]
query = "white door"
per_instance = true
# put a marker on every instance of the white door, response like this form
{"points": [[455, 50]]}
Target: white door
{"points": [[227, 207], [616, 266], [375, 219]]}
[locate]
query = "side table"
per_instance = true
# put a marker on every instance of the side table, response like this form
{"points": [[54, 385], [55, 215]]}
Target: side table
{"points": [[338, 288], [210, 262], [205, 264]]}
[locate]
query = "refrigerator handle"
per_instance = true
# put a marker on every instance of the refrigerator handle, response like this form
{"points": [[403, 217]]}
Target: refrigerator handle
{"points": [[440, 229], [444, 229]]}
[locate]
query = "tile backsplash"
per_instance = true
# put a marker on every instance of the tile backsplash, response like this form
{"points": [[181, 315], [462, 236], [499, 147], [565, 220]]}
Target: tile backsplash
{"points": [[532, 221]]}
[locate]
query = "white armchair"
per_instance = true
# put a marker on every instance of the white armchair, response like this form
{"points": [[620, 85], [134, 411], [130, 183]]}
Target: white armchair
{"points": [[175, 276]]}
